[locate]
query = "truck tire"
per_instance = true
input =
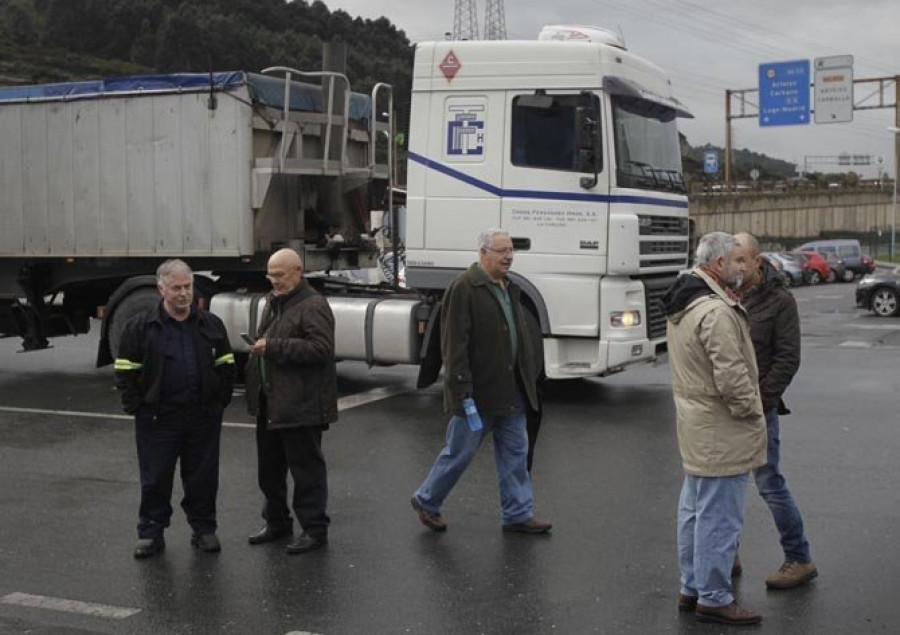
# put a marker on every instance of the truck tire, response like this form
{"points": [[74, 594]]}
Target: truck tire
{"points": [[135, 302]]}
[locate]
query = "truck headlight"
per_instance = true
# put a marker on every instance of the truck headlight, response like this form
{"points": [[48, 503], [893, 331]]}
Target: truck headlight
{"points": [[624, 319]]}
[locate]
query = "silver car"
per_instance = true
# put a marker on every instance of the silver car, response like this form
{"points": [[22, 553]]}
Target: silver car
{"points": [[789, 265]]}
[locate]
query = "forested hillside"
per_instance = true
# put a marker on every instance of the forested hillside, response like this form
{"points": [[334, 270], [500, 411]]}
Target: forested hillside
{"points": [[61, 40]]}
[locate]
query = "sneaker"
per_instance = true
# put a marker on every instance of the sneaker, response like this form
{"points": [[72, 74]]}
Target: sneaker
{"points": [[206, 542], [731, 614], [530, 526], [432, 520], [792, 575]]}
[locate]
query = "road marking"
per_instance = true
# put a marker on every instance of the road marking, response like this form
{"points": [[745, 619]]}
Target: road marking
{"points": [[344, 403], [830, 297], [300, 633], [376, 394], [857, 344], [69, 606], [877, 327]]}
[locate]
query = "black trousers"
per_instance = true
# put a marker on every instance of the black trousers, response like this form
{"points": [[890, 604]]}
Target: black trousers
{"points": [[298, 450], [191, 437]]}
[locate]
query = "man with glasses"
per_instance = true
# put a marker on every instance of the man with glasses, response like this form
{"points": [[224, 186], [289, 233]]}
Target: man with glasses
{"points": [[292, 391], [489, 382]]}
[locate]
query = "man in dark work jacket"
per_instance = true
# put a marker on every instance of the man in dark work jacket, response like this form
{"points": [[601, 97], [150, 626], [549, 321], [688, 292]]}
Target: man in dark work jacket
{"points": [[488, 358], [775, 330], [174, 370]]}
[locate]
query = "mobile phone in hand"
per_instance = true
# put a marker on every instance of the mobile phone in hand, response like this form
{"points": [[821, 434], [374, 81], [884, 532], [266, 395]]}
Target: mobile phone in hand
{"points": [[250, 341]]}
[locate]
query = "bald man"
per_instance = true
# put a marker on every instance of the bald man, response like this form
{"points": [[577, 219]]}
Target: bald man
{"points": [[292, 391], [775, 331]]}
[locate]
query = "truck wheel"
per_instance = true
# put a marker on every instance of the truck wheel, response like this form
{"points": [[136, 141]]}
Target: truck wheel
{"points": [[135, 302]]}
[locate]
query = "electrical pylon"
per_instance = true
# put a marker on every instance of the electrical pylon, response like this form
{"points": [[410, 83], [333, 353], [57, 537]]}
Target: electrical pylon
{"points": [[465, 20], [494, 20]]}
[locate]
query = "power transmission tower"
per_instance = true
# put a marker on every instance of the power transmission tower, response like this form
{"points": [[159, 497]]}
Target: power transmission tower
{"points": [[465, 20], [494, 20]]}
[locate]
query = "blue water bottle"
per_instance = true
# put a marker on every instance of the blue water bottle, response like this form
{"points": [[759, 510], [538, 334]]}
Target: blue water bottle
{"points": [[472, 414]]}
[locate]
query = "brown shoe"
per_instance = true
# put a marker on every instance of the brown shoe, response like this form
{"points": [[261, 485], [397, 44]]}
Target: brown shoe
{"points": [[737, 568], [530, 526], [792, 575], [687, 603], [731, 614], [432, 520]]}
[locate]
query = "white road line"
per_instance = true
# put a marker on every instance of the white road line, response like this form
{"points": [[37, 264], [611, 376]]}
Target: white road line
{"points": [[300, 633], [877, 327], [857, 344], [69, 606], [344, 403], [829, 297]]}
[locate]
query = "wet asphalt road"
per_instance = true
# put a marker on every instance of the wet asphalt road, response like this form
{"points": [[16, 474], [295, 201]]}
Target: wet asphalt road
{"points": [[607, 474]]}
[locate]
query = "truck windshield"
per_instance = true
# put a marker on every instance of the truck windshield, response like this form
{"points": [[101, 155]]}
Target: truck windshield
{"points": [[648, 154]]}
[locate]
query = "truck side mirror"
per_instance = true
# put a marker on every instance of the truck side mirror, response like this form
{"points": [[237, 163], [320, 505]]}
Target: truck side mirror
{"points": [[587, 131]]}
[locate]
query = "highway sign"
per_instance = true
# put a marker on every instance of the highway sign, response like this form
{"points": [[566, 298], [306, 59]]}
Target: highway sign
{"points": [[784, 93], [710, 162], [834, 89]]}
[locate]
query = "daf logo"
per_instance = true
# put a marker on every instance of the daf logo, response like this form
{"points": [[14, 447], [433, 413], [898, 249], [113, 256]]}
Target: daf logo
{"points": [[589, 244]]}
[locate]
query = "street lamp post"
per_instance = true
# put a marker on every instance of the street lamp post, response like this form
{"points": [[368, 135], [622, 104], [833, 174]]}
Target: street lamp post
{"points": [[896, 132]]}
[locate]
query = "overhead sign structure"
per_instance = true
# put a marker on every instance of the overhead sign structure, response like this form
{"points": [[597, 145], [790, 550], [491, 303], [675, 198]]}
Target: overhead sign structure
{"points": [[784, 93], [710, 162], [834, 89]]}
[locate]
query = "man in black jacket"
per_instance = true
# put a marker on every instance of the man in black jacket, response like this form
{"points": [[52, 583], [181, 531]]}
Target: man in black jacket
{"points": [[292, 391], [775, 330], [175, 371], [489, 363]]}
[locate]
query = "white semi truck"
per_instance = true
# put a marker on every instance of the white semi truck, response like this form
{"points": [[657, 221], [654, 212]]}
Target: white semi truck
{"points": [[569, 143]]}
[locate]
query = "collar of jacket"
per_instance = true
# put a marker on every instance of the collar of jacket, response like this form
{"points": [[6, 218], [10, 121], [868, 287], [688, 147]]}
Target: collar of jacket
{"points": [[477, 277], [160, 314], [717, 288], [284, 301]]}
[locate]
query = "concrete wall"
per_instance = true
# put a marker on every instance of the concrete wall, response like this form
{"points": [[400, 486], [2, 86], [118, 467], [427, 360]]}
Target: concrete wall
{"points": [[790, 218]]}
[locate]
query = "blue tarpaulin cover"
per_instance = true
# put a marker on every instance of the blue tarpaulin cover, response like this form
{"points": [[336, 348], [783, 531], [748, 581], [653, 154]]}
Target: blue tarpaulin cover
{"points": [[263, 89]]}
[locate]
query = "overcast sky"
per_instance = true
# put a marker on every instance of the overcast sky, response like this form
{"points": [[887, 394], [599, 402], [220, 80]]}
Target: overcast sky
{"points": [[709, 46]]}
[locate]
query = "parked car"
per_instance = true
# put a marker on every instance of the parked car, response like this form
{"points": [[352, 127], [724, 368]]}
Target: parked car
{"points": [[788, 266], [837, 266], [848, 250], [880, 293], [815, 266]]}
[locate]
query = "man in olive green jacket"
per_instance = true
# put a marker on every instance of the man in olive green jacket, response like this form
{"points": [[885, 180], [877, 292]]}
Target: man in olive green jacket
{"points": [[489, 366], [721, 427]]}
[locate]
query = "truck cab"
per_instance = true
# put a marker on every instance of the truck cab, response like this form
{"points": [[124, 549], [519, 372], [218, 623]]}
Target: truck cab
{"points": [[570, 144]]}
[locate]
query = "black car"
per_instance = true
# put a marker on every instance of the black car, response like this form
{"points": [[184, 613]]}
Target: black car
{"points": [[880, 293]]}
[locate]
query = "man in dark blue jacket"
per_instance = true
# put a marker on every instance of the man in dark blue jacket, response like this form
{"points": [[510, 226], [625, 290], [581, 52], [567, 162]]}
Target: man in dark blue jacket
{"points": [[175, 370]]}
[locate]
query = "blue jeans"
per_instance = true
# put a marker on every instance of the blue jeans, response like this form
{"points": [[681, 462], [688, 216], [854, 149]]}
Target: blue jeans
{"points": [[773, 488], [510, 457], [710, 517]]}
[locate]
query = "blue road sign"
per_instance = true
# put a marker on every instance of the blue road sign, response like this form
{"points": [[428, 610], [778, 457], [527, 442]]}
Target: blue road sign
{"points": [[710, 162], [784, 93]]}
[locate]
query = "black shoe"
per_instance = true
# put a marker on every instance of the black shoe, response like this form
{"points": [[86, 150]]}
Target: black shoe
{"points": [[304, 543], [270, 533], [530, 526], [206, 542], [146, 547]]}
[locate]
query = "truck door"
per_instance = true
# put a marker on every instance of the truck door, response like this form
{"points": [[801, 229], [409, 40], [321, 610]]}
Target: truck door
{"points": [[555, 202], [555, 182]]}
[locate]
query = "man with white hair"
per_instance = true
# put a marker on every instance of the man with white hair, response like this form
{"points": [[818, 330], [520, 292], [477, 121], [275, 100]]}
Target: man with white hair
{"points": [[489, 382], [721, 427], [175, 371]]}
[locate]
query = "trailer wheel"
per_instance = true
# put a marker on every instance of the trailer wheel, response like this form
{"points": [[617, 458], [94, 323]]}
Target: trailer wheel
{"points": [[135, 302]]}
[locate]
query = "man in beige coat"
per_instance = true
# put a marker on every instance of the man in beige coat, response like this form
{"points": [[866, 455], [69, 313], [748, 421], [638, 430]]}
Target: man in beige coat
{"points": [[721, 426]]}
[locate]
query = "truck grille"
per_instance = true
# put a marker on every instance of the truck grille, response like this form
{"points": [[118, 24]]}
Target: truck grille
{"points": [[662, 225], [654, 247], [654, 290]]}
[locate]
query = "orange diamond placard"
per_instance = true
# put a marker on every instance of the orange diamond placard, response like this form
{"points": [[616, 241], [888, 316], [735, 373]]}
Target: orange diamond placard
{"points": [[450, 66]]}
